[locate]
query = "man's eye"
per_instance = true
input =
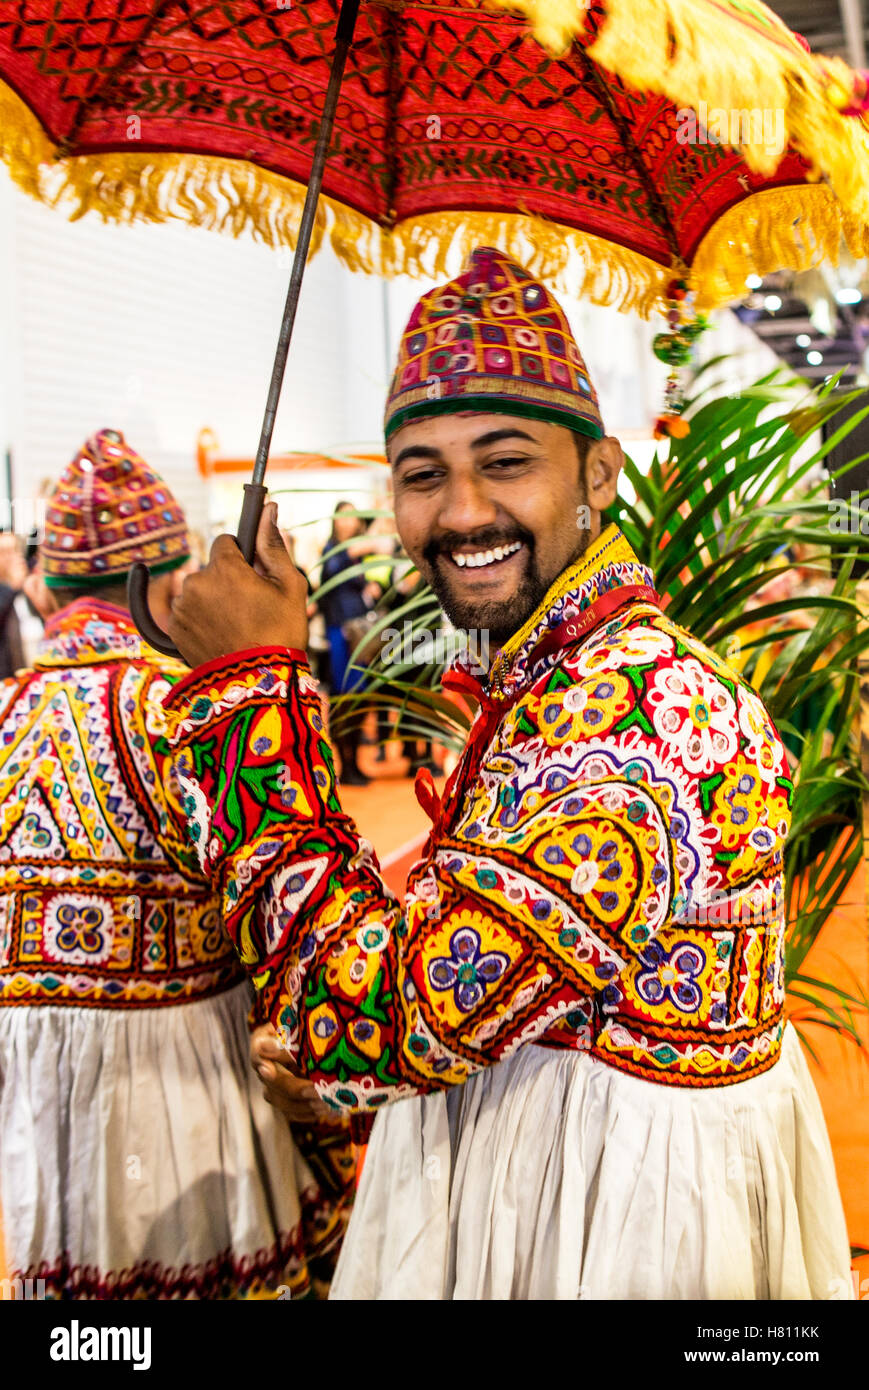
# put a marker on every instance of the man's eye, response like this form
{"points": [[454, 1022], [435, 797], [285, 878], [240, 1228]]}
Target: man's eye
{"points": [[511, 462], [421, 478]]}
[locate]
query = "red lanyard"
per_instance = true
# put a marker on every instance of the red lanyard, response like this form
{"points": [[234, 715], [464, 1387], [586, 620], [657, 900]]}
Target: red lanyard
{"points": [[566, 634], [574, 629]]}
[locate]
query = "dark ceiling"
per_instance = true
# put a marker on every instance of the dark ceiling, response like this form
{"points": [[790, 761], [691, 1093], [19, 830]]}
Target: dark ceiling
{"points": [[822, 22]]}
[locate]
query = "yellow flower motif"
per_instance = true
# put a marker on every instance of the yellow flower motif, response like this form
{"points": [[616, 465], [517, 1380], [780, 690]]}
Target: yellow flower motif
{"points": [[465, 958], [265, 736], [738, 803], [323, 1029], [585, 710], [597, 859], [365, 1034], [352, 973]]}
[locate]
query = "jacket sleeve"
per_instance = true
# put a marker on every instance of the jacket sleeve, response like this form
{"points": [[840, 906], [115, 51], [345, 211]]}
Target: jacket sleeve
{"points": [[509, 930]]}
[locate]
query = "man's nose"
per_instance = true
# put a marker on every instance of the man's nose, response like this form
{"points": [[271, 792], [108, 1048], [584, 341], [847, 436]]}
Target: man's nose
{"points": [[466, 506]]}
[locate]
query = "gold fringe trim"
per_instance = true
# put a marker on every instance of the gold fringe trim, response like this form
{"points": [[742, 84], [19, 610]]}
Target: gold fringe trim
{"points": [[435, 245], [236, 197], [225, 195], [775, 228], [792, 228], [691, 51]]}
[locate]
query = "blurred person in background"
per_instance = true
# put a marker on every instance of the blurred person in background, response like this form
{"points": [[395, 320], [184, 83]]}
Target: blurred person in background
{"points": [[380, 575], [391, 579], [13, 573], [138, 1158], [318, 644], [350, 600]]}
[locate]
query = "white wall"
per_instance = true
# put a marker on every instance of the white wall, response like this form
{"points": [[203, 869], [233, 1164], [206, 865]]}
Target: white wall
{"points": [[162, 330]]}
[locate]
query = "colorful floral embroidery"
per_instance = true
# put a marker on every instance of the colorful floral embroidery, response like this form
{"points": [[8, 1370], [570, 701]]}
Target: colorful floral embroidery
{"points": [[604, 868], [468, 969], [78, 929], [105, 901], [672, 976], [694, 710]]}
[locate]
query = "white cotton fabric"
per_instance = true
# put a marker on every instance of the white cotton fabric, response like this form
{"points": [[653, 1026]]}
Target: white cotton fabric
{"points": [[140, 1135], [555, 1176]]}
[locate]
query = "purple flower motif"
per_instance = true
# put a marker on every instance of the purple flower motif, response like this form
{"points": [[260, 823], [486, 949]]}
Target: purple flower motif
{"points": [[672, 976], [466, 971]]}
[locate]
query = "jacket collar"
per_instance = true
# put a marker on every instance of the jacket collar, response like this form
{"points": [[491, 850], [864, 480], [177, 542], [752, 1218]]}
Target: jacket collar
{"points": [[91, 631], [608, 563]]}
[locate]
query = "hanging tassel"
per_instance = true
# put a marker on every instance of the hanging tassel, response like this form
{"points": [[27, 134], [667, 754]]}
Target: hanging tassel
{"points": [[674, 347]]}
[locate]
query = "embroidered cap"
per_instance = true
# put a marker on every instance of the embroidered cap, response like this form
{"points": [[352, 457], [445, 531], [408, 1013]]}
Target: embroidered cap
{"points": [[109, 510], [493, 340]]}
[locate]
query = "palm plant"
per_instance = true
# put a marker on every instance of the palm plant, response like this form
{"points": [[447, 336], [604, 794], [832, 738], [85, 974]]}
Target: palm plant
{"points": [[717, 521]]}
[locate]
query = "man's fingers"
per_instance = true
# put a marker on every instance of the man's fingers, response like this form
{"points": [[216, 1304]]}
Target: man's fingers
{"points": [[271, 553], [270, 1048], [282, 1086], [224, 551], [296, 1098]]}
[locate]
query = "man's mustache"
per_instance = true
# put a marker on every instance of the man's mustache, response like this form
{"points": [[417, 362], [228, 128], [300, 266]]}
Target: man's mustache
{"points": [[487, 539]]}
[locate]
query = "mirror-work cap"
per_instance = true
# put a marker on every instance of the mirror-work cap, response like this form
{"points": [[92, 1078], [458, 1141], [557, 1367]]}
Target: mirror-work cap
{"points": [[109, 510], [493, 340]]}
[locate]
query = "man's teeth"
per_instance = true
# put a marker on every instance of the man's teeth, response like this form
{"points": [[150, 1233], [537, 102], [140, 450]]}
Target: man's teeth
{"points": [[485, 557]]}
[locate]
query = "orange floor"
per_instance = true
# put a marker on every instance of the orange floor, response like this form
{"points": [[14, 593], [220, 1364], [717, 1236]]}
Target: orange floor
{"points": [[841, 1074], [387, 814]]}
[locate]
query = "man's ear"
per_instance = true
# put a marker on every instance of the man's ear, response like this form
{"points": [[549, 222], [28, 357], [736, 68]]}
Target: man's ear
{"points": [[604, 461]]}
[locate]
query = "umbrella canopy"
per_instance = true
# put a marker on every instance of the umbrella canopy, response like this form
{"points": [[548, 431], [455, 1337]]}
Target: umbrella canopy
{"points": [[647, 134]]}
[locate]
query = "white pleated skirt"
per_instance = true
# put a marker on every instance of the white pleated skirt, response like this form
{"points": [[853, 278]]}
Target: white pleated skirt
{"points": [[555, 1176], [139, 1159]]}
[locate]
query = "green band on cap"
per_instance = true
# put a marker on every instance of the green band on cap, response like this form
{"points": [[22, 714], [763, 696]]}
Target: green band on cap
{"points": [[90, 581], [489, 405]]}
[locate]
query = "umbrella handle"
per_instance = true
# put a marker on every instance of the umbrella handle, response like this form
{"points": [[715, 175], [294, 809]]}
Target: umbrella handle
{"points": [[137, 582], [248, 523]]}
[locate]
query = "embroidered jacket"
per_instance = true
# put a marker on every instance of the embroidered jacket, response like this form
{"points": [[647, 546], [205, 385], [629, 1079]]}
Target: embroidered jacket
{"points": [[102, 901], [603, 873]]}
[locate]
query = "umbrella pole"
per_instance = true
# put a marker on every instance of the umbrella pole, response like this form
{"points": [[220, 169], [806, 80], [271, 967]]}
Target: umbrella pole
{"points": [[255, 490]]}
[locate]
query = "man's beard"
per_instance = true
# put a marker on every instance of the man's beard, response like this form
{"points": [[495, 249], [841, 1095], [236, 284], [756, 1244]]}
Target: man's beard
{"points": [[499, 618]]}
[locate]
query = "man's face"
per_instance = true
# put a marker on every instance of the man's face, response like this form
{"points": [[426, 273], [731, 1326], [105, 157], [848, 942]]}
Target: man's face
{"points": [[491, 509]]}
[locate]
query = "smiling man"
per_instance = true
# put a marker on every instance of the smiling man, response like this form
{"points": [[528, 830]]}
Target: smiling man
{"points": [[578, 1007], [493, 574]]}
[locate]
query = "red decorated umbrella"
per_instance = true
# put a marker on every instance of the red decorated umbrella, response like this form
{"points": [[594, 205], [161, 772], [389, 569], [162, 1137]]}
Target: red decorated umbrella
{"points": [[659, 146]]}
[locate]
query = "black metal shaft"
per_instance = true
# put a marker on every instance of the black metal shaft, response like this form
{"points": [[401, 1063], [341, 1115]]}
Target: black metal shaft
{"points": [[343, 39]]}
